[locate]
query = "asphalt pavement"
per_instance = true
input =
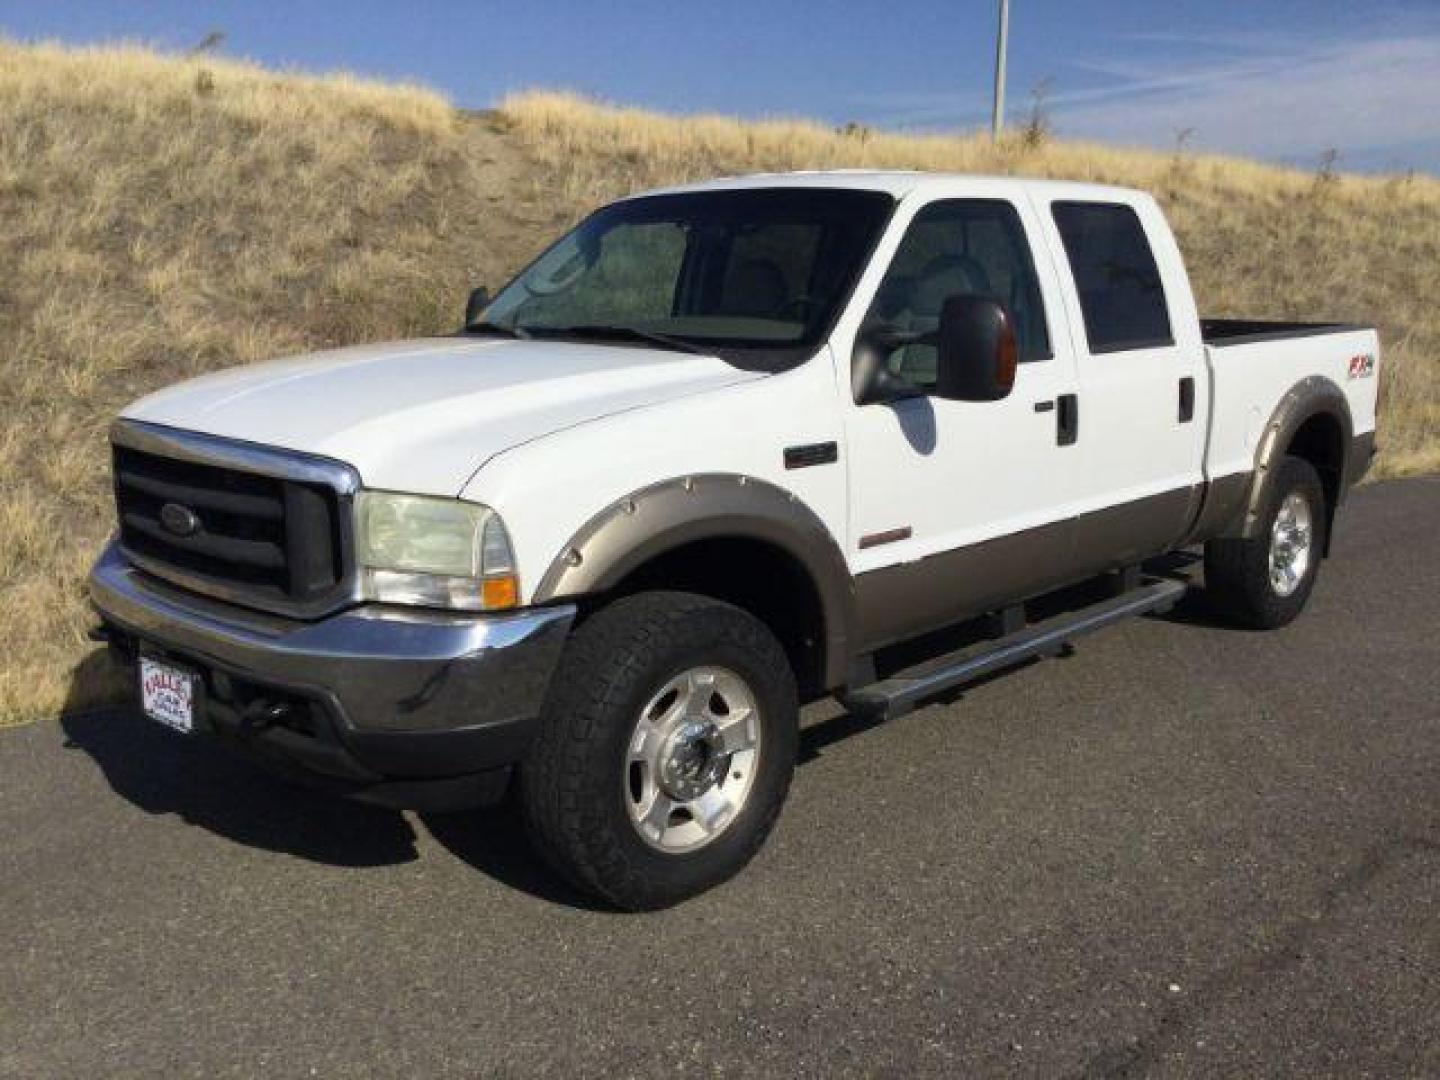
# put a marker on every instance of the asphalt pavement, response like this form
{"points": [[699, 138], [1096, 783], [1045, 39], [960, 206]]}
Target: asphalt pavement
{"points": [[1184, 850]]}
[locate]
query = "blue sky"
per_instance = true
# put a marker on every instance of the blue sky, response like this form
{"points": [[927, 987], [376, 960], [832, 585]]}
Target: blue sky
{"points": [[1279, 79]]}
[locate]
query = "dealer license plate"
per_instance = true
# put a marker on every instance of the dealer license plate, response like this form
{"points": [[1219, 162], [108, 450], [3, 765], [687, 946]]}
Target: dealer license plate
{"points": [[167, 694]]}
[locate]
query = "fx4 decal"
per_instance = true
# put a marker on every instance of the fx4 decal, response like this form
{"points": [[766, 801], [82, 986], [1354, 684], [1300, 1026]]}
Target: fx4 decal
{"points": [[1362, 366]]}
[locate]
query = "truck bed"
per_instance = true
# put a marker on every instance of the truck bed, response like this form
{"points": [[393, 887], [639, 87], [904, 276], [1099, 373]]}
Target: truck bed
{"points": [[1223, 332], [1253, 365]]}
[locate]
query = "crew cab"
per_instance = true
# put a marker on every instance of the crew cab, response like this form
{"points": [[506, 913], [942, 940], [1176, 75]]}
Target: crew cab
{"points": [[722, 449]]}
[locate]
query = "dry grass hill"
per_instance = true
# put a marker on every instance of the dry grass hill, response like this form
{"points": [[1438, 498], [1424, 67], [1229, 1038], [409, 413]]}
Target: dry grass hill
{"points": [[162, 216]]}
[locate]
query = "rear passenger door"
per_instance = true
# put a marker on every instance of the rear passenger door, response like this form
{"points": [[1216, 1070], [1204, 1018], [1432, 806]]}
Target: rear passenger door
{"points": [[1140, 365]]}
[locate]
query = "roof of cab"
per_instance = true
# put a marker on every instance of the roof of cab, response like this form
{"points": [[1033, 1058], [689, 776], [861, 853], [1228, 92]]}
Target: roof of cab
{"points": [[898, 183]]}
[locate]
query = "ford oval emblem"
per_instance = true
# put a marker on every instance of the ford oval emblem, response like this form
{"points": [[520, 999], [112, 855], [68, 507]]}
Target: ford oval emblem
{"points": [[179, 520]]}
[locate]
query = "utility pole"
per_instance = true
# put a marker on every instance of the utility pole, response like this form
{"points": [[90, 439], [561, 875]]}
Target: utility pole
{"points": [[1002, 40]]}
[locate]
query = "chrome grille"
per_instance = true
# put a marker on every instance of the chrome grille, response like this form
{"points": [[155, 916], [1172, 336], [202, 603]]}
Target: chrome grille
{"points": [[249, 524]]}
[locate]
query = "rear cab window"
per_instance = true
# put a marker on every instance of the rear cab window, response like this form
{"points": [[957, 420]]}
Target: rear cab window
{"points": [[1122, 297]]}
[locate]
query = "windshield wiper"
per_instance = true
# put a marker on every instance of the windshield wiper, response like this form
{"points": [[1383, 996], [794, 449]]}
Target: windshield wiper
{"points": [[496, 328], [621, 333]]}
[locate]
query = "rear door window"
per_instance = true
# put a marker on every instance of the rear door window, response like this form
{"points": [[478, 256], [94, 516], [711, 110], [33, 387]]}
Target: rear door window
{"points": [[1121, 294]]}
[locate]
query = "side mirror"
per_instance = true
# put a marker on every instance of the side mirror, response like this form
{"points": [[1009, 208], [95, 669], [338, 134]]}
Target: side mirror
{"points": [[478, 302], [975, 350]]}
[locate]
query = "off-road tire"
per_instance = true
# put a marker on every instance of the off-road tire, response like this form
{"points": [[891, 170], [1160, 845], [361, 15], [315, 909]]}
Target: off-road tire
{"points": [[1237, 571], [571, 782]]}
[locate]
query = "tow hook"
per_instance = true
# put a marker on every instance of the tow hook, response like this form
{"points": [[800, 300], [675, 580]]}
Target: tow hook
{"points": [[263, 713]]}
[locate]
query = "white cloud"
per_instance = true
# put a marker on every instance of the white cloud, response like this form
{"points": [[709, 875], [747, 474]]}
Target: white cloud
{"points": [[1375, 100], [1366, 99]]}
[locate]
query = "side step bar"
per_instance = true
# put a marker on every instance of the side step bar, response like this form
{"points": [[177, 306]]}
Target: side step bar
{"points": [[901, 692]]}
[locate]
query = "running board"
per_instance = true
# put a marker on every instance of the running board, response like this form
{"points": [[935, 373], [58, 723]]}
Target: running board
{"points": [[901, 692]]}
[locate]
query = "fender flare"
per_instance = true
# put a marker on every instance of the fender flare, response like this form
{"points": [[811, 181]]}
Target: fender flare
{"points": [[664, 516], [1308, 398]]}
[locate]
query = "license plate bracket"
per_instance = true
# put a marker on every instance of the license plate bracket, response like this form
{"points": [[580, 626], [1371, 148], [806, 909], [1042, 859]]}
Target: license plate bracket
{"points": [[169, 693]]}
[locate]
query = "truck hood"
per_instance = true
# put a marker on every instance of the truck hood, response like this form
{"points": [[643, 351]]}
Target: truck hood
{"points": [[424, 415]]}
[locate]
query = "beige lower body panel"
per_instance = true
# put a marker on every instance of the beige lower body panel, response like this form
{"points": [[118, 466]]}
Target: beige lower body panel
{"points": [[899, 602], [1224, 508]]}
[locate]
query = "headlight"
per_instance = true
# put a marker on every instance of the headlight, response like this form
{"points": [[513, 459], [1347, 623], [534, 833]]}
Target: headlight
{"points": [[416, 549]]}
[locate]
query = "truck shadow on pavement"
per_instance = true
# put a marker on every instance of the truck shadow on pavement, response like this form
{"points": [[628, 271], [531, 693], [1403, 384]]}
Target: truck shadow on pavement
{"points": [[209, 786], [206, 785], [164, 773]]}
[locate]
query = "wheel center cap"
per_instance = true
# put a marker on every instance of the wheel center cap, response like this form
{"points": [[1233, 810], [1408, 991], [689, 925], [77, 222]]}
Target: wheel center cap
{"points": [[691, 760]]}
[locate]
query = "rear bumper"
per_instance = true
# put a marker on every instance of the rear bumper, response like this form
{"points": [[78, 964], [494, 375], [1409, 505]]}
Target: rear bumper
{"points": [[397, 706]]}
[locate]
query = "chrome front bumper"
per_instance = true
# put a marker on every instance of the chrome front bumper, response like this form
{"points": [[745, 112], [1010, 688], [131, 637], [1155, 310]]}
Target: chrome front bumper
{"points": [[405, 693]]}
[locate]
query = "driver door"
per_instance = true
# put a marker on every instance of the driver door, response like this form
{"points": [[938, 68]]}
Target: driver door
{"points": [[957, 506]]}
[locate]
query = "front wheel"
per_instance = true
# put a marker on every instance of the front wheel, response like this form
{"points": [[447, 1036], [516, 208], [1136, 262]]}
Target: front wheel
{"points": [[665, 750], [1264, 582]]}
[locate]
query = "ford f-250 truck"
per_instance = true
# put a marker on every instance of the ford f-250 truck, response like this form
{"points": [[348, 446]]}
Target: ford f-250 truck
{"points": [[721, 450]]}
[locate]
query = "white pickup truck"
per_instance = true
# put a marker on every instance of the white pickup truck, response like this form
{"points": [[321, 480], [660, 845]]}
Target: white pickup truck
{"points": [[721, 450]]}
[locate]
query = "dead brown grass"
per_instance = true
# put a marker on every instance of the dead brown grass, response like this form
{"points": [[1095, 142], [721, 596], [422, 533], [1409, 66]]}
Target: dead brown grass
{"points": [[162, 216]]}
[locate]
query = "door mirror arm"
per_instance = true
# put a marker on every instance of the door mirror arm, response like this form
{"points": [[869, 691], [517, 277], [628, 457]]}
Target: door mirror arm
{"points": [[871, 381], [478, 301]]}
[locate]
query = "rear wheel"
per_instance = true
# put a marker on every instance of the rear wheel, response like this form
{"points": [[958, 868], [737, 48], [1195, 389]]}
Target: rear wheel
{"points": [[665, 751], [1265, 581]]}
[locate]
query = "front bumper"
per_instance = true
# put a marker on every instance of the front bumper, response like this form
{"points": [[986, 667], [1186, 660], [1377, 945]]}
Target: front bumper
{"points": [[395, 706]]}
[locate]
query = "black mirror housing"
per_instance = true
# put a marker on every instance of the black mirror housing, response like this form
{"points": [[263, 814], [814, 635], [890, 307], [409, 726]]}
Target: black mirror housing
{"points": [[479, 300], [976, 350]]}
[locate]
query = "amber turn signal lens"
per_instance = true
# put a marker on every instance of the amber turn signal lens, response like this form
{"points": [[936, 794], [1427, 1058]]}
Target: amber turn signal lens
{"points": [[498, 593]]}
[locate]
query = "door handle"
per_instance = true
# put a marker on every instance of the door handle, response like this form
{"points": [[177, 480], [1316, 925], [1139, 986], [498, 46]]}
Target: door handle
{"points": [[1187, 399], [1067, 420]]}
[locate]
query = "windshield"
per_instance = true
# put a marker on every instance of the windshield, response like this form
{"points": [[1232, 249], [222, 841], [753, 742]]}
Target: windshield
{"points": [[747, 269]]}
